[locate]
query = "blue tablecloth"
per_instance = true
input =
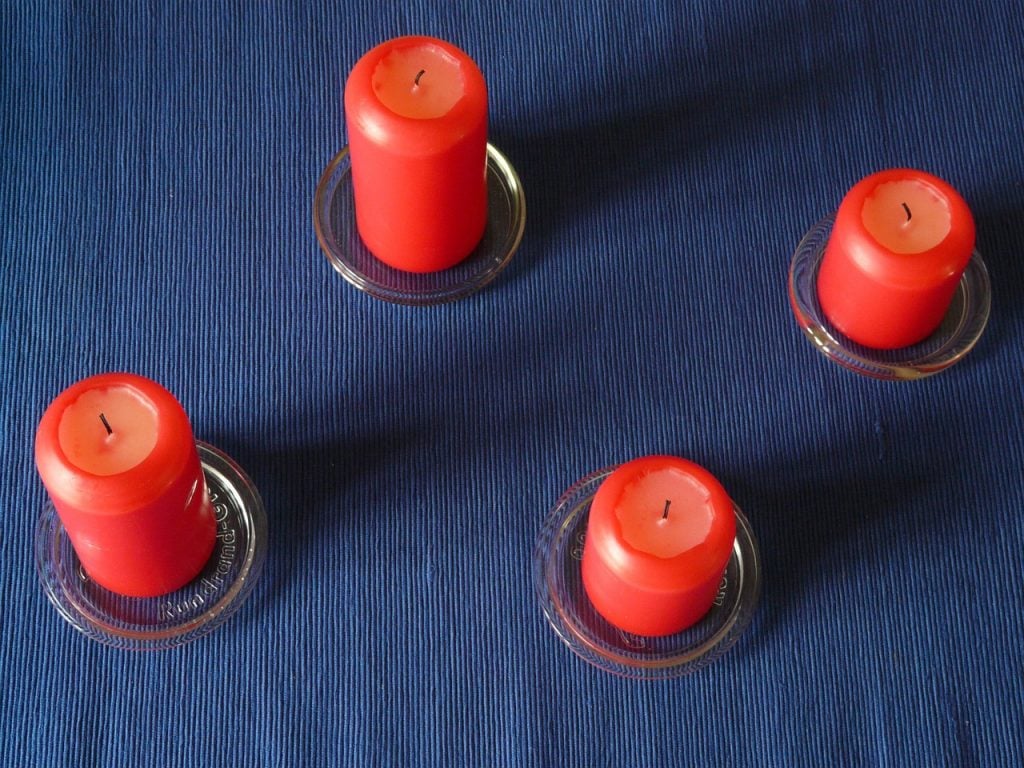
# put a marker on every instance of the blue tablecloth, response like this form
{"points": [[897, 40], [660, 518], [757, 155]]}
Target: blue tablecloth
{"points": [[159, 164]]}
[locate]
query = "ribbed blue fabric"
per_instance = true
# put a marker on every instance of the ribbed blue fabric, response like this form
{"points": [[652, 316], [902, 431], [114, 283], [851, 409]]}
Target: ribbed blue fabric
{"points": [[158, 167]]}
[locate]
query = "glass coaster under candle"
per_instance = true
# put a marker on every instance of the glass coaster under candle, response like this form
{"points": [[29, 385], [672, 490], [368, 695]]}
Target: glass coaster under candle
{"points": [[959, 331], [202, 605], [334, 217], [559, 587]]}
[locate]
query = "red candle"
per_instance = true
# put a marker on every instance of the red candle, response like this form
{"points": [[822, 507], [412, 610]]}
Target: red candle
{"points": [[659, 537], [117, 456], [901, 240], [416, 112]]}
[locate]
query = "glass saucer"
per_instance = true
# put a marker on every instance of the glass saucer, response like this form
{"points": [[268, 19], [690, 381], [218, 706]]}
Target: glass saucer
{"points": [[202, 605], [952, 340], [559, 587], [334, 218]]}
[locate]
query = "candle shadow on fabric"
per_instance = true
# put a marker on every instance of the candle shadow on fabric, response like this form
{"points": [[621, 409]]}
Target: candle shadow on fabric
{"points": [[633, 125], [304, 488], [828, 515], [1000, 235]]}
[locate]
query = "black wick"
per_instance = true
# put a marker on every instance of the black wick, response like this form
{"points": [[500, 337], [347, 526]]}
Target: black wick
{"points": [[907, 209], [106, 424], [418, 76], [664, 515]]}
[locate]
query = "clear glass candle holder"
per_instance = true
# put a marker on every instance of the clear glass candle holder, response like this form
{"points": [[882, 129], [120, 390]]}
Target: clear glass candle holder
{"points": [[202, 605], [558, 583], [334, 217], [959, 331]]}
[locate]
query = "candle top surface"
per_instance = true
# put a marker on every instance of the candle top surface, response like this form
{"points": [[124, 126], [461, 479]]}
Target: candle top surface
{"points": [[665, 513], [907, 216], [662, 522], [84, 437], [420, 81]]}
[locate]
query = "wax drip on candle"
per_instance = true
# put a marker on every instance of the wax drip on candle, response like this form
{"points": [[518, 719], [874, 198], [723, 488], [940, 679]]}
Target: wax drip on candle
{"points": [[419, 74], [907, 209], [106, 424], [664, 515]]}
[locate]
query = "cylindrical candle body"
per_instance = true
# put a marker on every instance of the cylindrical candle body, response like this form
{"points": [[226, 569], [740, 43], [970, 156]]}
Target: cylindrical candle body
{"points": [[118, 459], [900, 243], [416, 113], [659, 537]]}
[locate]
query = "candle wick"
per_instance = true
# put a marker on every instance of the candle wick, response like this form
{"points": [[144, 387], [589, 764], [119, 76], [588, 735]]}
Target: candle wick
{"points": [[106, 424], [419, 74], [907, 209], [664, 515]]}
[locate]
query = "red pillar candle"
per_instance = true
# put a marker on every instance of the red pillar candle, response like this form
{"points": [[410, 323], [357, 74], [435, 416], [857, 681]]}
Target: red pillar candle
{"points": [[117, 456], [901, 240], [659, 537], [416, 113]]}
